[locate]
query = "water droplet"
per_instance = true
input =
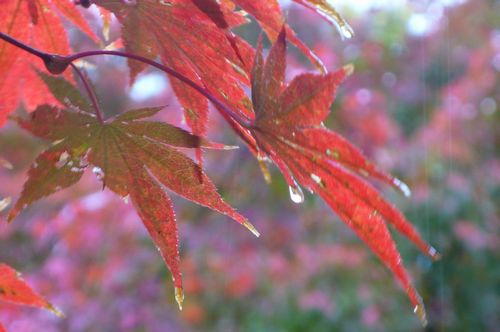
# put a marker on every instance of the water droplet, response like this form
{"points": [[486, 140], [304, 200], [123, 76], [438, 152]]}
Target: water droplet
{"points": [[346, 31], [296, 194], [364, 172], [4, 203], [55, 311], [129, 2], [75, 169], [316, 178], [6, 164], [98, 172], [434, 254], [63, 158], [165, 3], [335, 154], [403, 187], [57, 141], [419, 310], [251, 228], [179, 296], [262, 159], [231, 147], [126, 199]]}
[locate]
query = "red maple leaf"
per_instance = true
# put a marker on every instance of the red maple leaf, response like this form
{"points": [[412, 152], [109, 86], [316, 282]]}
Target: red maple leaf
{"points": [[36, 23], [288, 129], [15, 290], [134, 158]]}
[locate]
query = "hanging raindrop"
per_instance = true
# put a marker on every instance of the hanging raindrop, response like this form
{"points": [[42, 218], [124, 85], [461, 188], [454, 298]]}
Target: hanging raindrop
{"points": [[4, 203], [179, 297], [251, 228], [6, 164], [419, 310], [434, 254], [403, 187], [296, 194], [346, 31], [98, 172]]}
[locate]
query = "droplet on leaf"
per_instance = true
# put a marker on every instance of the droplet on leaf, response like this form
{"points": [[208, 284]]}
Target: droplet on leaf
{"points": [[98, 172], [318, 180], [55, 311], [346, 31], [231, 147], [263, 167], [331, 15], [179, 296], [4, 203], [63, 158], [296, 194], [5, 164], [419, 310], [403, 187], [251, 228], [434, 254], [129, 2]]}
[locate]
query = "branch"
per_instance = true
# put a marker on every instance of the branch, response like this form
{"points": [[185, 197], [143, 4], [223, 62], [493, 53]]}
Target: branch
{"points": [[172, 72], [42, 55], [56, 64]]}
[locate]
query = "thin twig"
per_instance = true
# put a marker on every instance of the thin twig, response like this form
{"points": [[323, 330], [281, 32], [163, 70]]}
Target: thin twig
{"points": [[54, 60], [239, 119], [90, 92], [42, 55]]}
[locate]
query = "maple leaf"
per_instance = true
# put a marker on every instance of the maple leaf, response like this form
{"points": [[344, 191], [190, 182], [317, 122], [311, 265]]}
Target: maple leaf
{"points": [[186, 36], [15, 290], [38, 24], [288, 129], [134, 158]]}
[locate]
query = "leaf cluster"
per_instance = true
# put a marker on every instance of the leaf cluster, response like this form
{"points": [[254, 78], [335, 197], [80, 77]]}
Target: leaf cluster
{"points": [[140, 159]]}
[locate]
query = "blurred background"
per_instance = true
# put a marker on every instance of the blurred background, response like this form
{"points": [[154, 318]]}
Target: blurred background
{"points": [[423, 103]]}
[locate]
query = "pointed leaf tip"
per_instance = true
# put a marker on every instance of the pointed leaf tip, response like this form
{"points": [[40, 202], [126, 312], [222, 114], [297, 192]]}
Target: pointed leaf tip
{"points": [[14, 289], [251, 228], [179, 297], [348, 69], [55, 310]]}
